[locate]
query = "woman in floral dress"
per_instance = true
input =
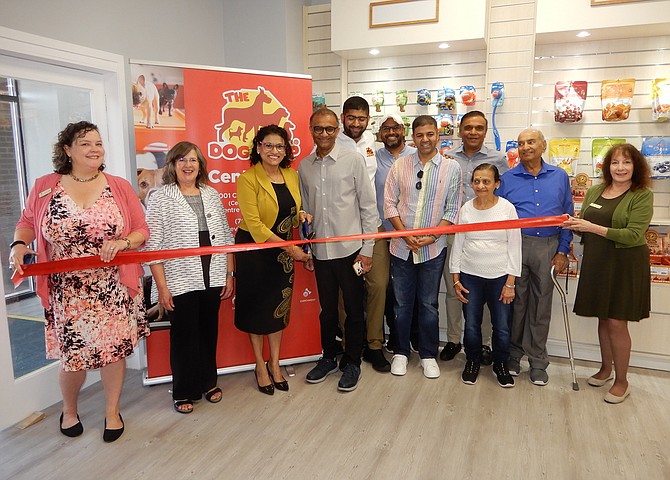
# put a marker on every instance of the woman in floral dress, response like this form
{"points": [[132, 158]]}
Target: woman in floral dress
{"points": [[94, 317]]}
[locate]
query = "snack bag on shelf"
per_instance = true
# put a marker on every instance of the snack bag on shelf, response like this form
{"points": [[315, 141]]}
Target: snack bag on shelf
{"points": [[579, 185], [423, 97], [569, 98], [318, 101], [445, 124], [617, 99], [512, 151], [375, 124], [459, 117], [406, 121], [445, 146], [599, 148], [654, 237], [446, 99], [468, 95], [660, 99], [401, 99], [378, 100], [563, 152], [657, 152]]}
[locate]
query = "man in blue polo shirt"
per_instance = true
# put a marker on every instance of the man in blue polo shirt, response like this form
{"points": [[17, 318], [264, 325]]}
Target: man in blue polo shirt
{"points": [[536, 189]]}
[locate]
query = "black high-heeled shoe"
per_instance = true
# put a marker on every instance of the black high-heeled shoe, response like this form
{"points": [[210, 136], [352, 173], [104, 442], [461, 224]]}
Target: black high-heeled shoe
{"points": [[266, 389], [283, 385], [110, 435], [73, 431]]}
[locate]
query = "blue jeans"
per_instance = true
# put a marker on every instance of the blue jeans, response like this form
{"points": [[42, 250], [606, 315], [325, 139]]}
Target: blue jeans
{"points": [[420, 282], [485, 291]]}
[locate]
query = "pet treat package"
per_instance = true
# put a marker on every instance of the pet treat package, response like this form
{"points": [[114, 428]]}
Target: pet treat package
{"points": [[617, 99], [408, 124], [468, 95], [375, 124], [423, 97], [563, 152], [318, 101], [658, 241], [446, 99], [378, 100], [445, 124], [512, 151], [599, 148], [657, 152], [578, 186], [660, 99], [401, 99], [445, 146], [569, 98]]}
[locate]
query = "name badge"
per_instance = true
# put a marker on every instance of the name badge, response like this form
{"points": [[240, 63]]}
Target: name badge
{"points": [[595, 205], [45, 192]]}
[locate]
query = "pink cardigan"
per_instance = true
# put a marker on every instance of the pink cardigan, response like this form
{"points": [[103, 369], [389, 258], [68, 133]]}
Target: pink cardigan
{"points": [[128, 203]]}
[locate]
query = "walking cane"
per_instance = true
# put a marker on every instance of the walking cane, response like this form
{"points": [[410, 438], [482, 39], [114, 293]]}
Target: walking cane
{"points": [[568, 337]]}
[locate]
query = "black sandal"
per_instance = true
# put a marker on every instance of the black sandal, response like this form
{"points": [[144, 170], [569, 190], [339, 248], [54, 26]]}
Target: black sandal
{"points": [[181, 403], [211, 393]]}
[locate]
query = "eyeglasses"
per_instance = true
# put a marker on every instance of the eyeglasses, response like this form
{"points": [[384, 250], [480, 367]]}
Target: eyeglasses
{"points": [[307, 235], [184, 160], [419, 175], [318, 129], [352, 118], [395, 128], [268, 147]]}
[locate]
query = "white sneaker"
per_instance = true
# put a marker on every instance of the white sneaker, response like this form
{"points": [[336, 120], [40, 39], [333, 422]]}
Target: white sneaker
{"points": [[430, 368], [399, 365]]}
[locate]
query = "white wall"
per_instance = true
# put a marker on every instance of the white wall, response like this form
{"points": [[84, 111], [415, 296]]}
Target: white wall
{"points": [[165, 31]]}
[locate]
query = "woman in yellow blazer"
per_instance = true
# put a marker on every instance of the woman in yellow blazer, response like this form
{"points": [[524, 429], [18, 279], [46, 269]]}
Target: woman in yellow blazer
{"points": [[269, 198]]}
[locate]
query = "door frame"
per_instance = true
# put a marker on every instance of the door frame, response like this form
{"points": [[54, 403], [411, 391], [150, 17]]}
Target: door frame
{"points": [[39, 389]]}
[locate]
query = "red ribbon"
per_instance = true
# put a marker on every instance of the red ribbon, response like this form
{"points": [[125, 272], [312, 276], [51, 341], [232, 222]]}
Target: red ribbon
{"points": [[122, 258]]}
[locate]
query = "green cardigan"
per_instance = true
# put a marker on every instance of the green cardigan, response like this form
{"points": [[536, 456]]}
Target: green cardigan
{"points": [[631, 217]]}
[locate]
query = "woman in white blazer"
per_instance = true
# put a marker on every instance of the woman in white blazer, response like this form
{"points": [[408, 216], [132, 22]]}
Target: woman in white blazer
{"points": [[187, 213]]}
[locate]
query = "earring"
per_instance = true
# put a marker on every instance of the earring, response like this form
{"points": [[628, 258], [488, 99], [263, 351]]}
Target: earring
{"points": [[69, 160]]}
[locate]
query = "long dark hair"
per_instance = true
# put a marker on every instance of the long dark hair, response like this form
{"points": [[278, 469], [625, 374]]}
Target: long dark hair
{"points": [[641, 172], [263, 132]]}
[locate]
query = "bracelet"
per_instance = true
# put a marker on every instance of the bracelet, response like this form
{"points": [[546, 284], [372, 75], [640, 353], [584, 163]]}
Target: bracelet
{"points": [[17, 242], [434, 237], [457, 282], [562, 253], [127, 240], [232, 274], [510, 285]]}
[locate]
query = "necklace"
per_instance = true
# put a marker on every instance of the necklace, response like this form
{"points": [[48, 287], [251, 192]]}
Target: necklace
{"points": [[84, 180]]}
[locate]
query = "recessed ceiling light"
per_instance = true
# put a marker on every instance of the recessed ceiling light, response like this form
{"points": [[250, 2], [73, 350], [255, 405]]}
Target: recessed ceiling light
{"points": [[443, 45], [374, 51], [583, 34]]}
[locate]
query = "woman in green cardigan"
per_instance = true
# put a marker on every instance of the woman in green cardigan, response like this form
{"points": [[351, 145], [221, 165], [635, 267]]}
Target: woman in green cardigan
{"points": [[614, 281]]}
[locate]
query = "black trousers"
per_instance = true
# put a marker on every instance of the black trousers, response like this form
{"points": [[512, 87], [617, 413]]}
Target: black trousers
{"points": [[331, 277], [194, 328]]}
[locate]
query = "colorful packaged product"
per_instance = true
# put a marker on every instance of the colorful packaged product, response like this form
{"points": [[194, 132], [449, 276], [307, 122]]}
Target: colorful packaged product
{"points": [[563, 152], [406, 121], [446, 99], [660, 99], [657, 152], [401, 99], [378, 100], [599, 148], [318, 101], [579, 185], [445, 124], [512, 151], [423, 97], [617, 99], [569, 99], [446, 145], [468, 95]]}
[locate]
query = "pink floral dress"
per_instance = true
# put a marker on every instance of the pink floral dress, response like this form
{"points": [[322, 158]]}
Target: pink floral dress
{"points": [[91, 320]]}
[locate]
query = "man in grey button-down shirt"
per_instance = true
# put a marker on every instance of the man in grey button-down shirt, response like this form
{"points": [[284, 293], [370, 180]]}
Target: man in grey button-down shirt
{"points": [[336, 190]]}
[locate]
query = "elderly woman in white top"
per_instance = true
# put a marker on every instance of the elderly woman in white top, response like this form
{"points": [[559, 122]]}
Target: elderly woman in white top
{"points": [[185, 213], [485, 265]]}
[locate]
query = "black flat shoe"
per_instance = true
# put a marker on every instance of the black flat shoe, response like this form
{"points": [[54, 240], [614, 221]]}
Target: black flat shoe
{"points": [[73, 431], [266, 389], [283, 385], [112, 435], [209, 395]]}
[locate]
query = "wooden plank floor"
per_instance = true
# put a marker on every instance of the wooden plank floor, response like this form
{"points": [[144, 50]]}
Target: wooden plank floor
{"points": [[390, 427]]}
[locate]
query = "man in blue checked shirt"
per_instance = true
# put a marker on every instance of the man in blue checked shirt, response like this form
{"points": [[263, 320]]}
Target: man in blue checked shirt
{"points": [[536, 189]]}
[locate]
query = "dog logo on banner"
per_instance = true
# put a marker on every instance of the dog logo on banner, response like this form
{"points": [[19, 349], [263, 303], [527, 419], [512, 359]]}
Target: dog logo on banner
{"points": [[244, 111]]}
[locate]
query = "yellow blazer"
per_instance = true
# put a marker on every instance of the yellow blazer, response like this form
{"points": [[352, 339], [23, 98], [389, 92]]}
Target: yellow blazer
{"points": [[258, 201]]}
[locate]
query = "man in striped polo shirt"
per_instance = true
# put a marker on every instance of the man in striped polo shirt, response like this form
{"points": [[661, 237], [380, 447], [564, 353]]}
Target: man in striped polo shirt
{"points": [[422, 190]]}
